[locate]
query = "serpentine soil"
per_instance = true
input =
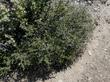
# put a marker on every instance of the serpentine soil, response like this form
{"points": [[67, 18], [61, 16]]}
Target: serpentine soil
{"points": [[94, 65]]}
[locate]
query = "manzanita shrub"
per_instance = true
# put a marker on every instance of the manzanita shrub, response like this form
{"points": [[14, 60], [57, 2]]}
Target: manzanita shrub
{"points": [[41, 36]]}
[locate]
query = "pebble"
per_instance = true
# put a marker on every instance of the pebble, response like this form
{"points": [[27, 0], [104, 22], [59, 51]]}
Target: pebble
{"points": [[89, 52], [60, 81]]}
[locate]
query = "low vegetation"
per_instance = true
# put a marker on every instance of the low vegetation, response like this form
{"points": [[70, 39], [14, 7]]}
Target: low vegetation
{"points": [[38, 37]]}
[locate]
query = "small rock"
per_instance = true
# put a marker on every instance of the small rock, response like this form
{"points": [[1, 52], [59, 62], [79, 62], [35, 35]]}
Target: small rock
{"points": [[89, 52], [96, 23], [89, 78], [105, 49], [90, 2], [60, 81], [103, 1], [95, 9], [24, 80], [108, 4], [108, 21]]}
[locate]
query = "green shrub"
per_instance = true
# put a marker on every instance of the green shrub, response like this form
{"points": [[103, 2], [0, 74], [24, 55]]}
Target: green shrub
{"points": [[41, 36]]}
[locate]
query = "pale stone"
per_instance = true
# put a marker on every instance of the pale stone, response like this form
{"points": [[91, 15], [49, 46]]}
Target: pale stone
{"points": [[60, 81]]}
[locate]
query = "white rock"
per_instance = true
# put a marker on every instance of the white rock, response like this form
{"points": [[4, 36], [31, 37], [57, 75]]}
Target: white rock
{"points": [[60, 81], [89, 52]]}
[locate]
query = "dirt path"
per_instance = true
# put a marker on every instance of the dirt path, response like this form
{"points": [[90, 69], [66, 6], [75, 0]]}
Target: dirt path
{"points": [[94, 65]]}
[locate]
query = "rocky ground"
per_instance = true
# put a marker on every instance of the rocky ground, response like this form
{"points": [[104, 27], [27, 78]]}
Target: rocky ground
{"points": [[94, 65]]}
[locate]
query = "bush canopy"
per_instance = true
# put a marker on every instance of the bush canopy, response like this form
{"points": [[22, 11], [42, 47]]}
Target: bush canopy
{"points": [[41, 36]]}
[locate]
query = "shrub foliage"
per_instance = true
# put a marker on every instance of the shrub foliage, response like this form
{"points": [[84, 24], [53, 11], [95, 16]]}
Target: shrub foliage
{"points": [[40, 35]]}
